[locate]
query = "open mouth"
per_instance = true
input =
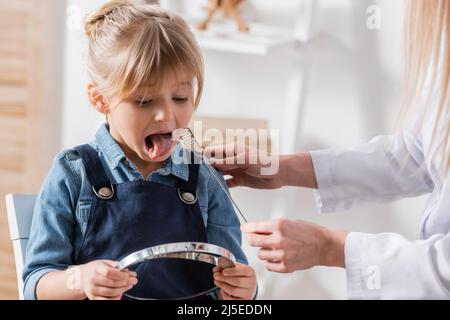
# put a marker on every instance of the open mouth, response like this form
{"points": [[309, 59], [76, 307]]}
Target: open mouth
{"points": [[158, 144]]}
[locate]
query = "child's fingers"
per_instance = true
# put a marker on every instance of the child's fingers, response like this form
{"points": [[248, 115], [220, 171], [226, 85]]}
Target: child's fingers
{"points": [[226, 296], [109, 292], [99, 298], [106, 282], [113, 264], [239, 270], [110, 263], [112, 273], [231, 290], [241, 282], [131, 273], [106, 298]]}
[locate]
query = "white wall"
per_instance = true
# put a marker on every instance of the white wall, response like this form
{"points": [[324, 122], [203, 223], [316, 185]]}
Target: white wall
{"points": [[353, 94], [79, 119]]}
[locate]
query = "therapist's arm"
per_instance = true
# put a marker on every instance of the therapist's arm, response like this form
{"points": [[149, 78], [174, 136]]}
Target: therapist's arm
{"points": [[387, 168], [384, 169], [298, 171], [378, 266]]}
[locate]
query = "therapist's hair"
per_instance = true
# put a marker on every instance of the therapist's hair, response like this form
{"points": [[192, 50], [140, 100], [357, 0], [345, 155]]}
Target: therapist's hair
{"points": [[427, 44], [132, 47]]}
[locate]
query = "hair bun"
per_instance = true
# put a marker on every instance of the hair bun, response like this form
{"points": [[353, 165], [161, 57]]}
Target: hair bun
{"points": [[93, 20]]}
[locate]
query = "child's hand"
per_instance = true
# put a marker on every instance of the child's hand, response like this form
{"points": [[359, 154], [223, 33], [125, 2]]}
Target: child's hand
{"points": [[236, 283], [100, 280]]}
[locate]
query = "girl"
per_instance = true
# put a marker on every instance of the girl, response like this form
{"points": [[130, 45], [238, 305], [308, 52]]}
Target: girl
{"points": [[123, 192]]}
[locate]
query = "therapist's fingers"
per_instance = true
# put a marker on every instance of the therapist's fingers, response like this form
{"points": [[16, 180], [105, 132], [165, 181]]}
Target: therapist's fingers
{"points": [[228, 165], [232, 182], [264, 240], [215, 151], [274, 255], [279, 267], [229, 157], [262, 227], [224, 151], [238, 179]]}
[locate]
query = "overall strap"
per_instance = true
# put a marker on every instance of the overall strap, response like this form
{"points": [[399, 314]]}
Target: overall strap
{"points": [[101, 184], [187, 190]]}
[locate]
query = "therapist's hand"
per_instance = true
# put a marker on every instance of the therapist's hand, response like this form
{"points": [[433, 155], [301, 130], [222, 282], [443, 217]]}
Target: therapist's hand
{"points": [[245, 166], [235, 160], [287, 246]]}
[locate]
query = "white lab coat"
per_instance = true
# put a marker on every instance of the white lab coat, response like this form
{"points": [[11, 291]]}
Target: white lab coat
{"points": [[388, 266]]}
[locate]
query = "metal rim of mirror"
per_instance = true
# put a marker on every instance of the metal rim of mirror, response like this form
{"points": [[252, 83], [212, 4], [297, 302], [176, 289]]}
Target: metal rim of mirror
{"points": [[196, 251]]}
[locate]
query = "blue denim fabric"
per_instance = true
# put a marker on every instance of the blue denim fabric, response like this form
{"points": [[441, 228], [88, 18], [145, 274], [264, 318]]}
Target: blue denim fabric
{"points": [[63, 205]]}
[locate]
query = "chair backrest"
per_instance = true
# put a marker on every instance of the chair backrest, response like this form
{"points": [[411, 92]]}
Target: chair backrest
{"points": [[20, 213]]}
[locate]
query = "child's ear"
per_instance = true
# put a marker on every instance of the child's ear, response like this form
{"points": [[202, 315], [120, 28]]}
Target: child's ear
{"points": [[96, 99]]}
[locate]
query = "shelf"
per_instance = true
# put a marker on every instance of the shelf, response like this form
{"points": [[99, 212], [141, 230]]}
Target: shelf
{"points": [[260, 40]]}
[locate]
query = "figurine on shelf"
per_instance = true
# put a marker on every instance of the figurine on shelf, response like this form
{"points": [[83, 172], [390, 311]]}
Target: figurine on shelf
{"points": [[230, 8]]}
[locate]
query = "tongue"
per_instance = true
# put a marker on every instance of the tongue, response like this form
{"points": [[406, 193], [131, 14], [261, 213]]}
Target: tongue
{"points": [[162, 143]]}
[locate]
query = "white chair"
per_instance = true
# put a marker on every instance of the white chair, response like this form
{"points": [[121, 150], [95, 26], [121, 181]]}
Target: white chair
{"points": [[20, 213]]}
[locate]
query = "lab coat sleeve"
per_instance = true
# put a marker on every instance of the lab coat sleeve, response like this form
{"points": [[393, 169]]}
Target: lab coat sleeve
{"points": [[385, 169], [387, 266]]}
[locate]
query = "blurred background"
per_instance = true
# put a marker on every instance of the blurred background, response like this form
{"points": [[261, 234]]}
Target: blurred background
{"points": [[316, 70]]}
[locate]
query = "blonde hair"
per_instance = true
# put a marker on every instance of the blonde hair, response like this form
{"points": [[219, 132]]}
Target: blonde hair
{"points": [[427, 47], [132, 47]]}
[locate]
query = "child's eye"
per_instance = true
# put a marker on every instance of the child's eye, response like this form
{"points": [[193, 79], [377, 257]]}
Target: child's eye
{"points": [[180, 99], [143, 103]]}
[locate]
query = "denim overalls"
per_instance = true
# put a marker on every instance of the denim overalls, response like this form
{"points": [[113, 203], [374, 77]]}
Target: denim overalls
{"points": [[134, 215]]}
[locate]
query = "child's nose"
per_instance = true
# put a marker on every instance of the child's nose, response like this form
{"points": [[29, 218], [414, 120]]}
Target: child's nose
{"points": [[163, 114]]}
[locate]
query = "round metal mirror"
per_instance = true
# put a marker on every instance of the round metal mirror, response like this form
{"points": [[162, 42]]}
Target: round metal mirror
{"points": [[190, 251]]}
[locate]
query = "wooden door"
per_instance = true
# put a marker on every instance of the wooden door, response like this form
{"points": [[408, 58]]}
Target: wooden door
{"points": [[31, 51]]}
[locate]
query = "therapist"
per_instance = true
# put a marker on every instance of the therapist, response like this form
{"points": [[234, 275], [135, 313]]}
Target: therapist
{"points": [[411, 163]]}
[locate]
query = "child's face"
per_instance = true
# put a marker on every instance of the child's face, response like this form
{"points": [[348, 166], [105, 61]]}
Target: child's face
{"points": [[143, 123]]}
